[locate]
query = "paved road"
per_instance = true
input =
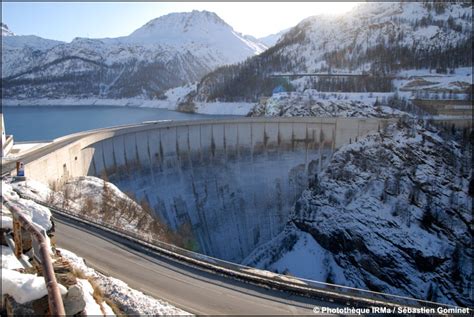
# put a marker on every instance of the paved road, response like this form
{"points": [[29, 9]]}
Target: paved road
{"points": [[188, 288]]}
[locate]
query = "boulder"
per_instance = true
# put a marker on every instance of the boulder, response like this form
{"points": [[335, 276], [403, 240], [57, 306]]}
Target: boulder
{"points": [[74, 300]]}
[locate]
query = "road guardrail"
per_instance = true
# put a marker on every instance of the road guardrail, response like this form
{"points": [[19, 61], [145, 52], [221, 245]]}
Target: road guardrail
{"points": [[324, 291]]}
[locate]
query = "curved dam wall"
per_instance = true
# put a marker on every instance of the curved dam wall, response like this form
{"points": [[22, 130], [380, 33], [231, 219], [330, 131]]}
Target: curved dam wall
{"points": [[234, 181]]}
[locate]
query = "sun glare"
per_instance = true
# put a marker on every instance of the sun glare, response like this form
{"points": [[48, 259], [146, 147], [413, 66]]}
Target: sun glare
{"points": [[333, 8]]}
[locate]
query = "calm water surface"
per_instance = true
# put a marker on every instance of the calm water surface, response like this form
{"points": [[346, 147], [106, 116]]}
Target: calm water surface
{"points": [[32, 123]]}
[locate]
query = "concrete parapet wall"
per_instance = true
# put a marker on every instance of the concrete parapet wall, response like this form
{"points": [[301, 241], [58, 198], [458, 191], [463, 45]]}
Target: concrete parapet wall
{"points": [[96, 152], [7, 146]]}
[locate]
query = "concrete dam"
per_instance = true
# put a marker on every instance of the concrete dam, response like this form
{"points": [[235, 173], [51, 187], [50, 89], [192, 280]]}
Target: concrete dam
{"points": [[235, 181]]}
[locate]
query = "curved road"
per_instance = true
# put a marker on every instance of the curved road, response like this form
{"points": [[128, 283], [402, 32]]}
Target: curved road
{"points": [[186, 287]]}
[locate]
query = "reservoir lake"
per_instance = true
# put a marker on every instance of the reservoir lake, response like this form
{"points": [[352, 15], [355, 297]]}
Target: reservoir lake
{"points": [[38, 123]]}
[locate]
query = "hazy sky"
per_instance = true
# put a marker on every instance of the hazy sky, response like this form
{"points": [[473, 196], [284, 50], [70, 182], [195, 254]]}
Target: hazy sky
{"points": [[65, 21]]}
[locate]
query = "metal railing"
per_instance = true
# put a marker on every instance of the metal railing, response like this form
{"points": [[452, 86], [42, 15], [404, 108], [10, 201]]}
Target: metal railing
{"points": [[41, 254], [343, 294]]}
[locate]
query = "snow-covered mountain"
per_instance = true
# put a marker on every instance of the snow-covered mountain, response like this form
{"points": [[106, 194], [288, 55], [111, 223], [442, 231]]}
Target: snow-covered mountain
{"points": [[20, 51], [272, 39], [205, 33], [32, 42], [376, 38], [13, 44], [392, 212], [167, 52], [5, 30]]}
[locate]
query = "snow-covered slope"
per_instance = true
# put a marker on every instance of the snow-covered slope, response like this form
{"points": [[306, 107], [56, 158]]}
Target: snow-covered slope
{"points": [[28, 42], [204, 33], [6, 31], [392, 212], [27, 289], [392, 25], [167, 52], [32, 42], [376, 38], [99, 200], [19, 51], [272, 39], [313, 104]]}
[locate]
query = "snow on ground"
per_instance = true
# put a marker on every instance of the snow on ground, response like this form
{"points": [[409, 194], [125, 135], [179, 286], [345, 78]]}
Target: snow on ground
{"points": [[9, 260], [35, 189], [38, 214], [423, 80], [175, 95], [266, 273], [312, 103], [7, 191], [7, 221], [310, 261], [462, 72], [24, 287], [85, 196], [92, 307], [299, 256], [130, 301]]}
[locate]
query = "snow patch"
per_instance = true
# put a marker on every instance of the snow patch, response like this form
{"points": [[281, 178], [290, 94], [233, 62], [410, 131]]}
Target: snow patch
{"points": [[9, 260], [24, 287], [92, 307], [131, 301]]}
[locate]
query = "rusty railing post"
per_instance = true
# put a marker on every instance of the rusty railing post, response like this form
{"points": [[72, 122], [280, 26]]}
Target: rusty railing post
{"points": [[55, 301], [17, 237]]}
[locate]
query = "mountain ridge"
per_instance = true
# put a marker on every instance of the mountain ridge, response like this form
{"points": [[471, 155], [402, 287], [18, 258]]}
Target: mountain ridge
{"points": [[6, 31], [376, 38], [160, 55]]}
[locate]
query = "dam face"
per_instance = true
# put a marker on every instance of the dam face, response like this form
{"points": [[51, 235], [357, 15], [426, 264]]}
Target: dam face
{"points": [[235, 187], [234, 181]]}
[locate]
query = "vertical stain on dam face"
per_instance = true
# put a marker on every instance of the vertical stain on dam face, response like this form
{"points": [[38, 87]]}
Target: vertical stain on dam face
{"points": [[213, 146], [160, 158], [235, 183]]}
